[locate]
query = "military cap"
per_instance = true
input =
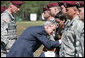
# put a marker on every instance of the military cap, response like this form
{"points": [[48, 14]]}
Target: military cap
{"points": [[17, 3], [44, 9], [62, 3], [82, 4], [71, 3], [3, 8], [52, 5]]}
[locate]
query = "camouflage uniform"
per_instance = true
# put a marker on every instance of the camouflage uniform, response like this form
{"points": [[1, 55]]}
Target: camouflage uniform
{"points": [[70, 46], [8, 31], [81, 54], [66, 24]]}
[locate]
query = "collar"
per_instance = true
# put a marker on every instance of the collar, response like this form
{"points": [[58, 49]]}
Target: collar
{"points": [[74, 19]]}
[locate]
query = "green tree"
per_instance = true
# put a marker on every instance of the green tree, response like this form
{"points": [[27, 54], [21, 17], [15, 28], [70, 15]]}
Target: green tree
{"points": [[29, 7]]}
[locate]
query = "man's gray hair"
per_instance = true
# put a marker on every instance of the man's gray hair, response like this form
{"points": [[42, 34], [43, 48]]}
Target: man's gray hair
{"points": [[50, 23]]}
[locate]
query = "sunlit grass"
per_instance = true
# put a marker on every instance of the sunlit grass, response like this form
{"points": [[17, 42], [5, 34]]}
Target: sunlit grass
{"points": [[21, 26]]}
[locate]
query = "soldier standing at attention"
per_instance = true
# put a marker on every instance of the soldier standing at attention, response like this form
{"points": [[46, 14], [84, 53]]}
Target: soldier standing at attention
{"points": [[47, 15], [46, 52], [70, 46], [8, 27], [54, 9]]}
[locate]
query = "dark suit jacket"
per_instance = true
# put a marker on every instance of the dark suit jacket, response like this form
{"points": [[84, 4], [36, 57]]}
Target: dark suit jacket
{"points": [[29, 41]]}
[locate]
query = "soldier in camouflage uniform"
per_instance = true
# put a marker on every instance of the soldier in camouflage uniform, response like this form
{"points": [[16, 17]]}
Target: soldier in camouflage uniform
{"points": [[70, 46], [50, 13], [8, 27], [62, 4]]}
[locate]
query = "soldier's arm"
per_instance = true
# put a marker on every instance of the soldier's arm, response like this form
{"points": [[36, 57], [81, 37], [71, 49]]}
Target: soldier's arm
{"points": [[4, 26], [3, 32], [5, 17], [5, 20], [70, 39]]}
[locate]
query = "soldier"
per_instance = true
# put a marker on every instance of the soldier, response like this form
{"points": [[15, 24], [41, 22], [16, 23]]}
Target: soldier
{"points": [[8, 27], [46, 52], [81, 16], [70, 46], [47, 15], [53, 9], [32, 38]]}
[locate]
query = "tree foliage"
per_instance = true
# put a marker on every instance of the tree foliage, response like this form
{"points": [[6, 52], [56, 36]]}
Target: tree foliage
{"points": [[29, 7]]}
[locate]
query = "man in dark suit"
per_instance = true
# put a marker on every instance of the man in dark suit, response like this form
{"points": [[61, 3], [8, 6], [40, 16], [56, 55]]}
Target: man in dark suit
{"points": [[32, 38]]}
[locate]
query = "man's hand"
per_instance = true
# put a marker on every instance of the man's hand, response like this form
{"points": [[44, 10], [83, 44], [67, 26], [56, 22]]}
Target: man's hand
{"points": [[5, 20], [60, 41]]}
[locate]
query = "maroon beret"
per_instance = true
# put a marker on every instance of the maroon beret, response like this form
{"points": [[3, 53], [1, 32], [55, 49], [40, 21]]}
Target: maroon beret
{"points": [[61, 3], [16, 2], [71, 3], [3, 8], [82, 3], [44, 9], [52, 5]]}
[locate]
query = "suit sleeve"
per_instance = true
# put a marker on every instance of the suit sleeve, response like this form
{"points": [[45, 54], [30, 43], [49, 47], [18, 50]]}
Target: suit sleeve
{"points": [[49, 44]]}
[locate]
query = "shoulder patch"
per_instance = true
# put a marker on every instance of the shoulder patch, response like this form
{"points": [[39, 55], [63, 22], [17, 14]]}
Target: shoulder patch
{"points": [[5, 20]]}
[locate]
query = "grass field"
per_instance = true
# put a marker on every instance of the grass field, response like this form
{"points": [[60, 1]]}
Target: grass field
{"points": [[21, 26]]}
